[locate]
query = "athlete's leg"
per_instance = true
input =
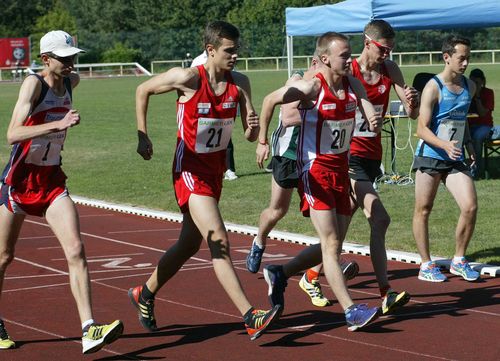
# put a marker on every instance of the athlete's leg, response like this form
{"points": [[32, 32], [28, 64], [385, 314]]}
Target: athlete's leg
{"points": [[331, 230], [463, 190], [10, 226], [62, 217], [206, 215], [426, 187], [278, 207], [172, 260], [379, 220]]}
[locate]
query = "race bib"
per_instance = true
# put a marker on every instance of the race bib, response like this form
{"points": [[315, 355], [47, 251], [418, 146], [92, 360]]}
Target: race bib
{"points": [[336, 136], [213, 134], [46, 150], [450, 129], [361, 129]]}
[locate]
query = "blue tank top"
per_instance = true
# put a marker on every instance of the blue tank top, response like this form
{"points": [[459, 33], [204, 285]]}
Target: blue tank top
{"points": [[449, 118]]}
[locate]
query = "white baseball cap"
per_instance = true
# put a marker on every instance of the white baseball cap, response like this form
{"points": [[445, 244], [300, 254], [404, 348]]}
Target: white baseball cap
{"points": [[60, 43]]}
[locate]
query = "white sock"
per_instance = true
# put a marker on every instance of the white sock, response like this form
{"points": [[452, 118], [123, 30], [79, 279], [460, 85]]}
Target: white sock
{"points": [[258, 245], [87, 323], [425, 265], [458, 259]]}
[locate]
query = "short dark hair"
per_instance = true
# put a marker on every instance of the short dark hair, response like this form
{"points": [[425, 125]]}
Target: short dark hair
{"points": [[451, 41], [323, 42], [379, 29], [477, 73], [218, 30]]}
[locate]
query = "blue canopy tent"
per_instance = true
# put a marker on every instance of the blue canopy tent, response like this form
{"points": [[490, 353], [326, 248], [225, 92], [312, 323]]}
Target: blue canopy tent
{"points": [[351, 16]]}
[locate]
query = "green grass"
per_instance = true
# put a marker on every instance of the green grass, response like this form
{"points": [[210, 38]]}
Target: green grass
{"points": [[101, 163]]}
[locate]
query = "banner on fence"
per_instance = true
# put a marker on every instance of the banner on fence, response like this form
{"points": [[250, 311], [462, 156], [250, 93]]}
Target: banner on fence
{"points": [[14, 52]]}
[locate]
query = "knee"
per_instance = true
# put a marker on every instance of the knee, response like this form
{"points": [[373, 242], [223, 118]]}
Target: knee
{"points": [[423, 210], [278, 213], [75, 253], [470, 211], [381, 222], [6, 258]]}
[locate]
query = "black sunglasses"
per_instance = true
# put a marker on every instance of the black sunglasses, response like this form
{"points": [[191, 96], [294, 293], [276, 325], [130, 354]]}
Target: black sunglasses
{"points": [[62, 59]]}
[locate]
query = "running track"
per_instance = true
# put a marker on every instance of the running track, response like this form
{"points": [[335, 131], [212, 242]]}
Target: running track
{"points": [[456, 320]]}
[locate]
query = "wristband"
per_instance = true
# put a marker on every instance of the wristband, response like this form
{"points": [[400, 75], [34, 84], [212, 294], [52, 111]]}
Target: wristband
{"points": [[263, 143]]}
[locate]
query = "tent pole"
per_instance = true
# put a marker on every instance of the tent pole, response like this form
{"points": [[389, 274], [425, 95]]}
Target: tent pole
{"points": [[289, 51]]}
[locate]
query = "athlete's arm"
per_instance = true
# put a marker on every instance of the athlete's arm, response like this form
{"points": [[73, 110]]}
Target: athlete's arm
{"points": [[408, 95], [75, 79], [374, 119], [183, 80], [28, 95], [301, 90], [290, 115], [430, 96], [249, 117]]}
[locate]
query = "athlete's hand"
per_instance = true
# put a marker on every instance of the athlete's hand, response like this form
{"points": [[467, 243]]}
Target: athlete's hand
{"points": [[71, 119], [452, 150], [375, 123], [412, 96], [262, 153], [252, 120], [145, 147]]}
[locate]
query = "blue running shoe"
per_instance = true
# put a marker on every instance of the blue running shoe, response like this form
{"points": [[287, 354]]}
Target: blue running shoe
{"points": [[431, 274], [275, 278], [358, 316], [254, 257], [463, 269]]}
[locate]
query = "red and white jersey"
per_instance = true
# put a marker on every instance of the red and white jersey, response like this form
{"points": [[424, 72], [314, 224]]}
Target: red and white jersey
{"points": [[205, 123], [36, 162], [326, 130], [364, 143]]}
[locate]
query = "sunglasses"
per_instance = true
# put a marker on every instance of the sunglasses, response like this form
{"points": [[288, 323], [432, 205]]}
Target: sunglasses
{"points": [[384, 49], [63, 59]]}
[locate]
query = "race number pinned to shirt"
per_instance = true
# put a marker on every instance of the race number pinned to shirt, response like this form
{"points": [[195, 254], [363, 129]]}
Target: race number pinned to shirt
{"points": [[213, 134], [46, 149], [336, 136], [362, 129], [203, 108], [450, 129]]}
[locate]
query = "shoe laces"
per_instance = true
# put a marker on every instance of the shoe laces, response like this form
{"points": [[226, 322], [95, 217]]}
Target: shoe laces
{"points": [[317, 288], [150, 307]]}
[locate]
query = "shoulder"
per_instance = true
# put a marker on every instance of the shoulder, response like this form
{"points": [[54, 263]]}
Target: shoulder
{"points": [[392, 68], [354, 81], [240, 79]]}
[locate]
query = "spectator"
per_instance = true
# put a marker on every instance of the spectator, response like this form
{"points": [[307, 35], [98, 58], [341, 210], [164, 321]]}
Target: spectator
{"points": [[482, 104]]}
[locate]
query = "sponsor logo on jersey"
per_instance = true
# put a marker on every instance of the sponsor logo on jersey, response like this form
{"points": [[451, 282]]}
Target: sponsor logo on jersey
{"points": [[228, 105], [49, 102], [230, 99], [203, 108], [457, 114], [50, 117], [329, 106], [382, 88], [350, 106]]}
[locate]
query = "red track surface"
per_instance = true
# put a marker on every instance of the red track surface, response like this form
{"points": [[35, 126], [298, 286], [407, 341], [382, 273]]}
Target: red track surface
{"points": [[456, 320]]}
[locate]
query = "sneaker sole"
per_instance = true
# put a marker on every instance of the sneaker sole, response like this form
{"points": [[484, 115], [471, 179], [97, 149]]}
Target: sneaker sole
{"points": [[431, 279], [399, 303], [136, 305], [270, 286], [374, 317], [351, 271], [278, 309], [112, 335], [457, 273]]}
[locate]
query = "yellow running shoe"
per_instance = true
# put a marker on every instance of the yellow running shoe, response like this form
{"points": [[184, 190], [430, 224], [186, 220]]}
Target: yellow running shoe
{"points": [[313, 289], [5, 341], [394, 300], [97, 336]]}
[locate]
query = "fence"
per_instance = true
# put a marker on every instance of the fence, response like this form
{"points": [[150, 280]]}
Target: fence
{"points": [[270, 63]]}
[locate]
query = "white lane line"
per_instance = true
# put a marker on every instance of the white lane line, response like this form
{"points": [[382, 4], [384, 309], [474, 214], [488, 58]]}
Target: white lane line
{"points": [[41, 266], [38, 237], [146, 230], [103, 256], [116, 241], [64, 337]]}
